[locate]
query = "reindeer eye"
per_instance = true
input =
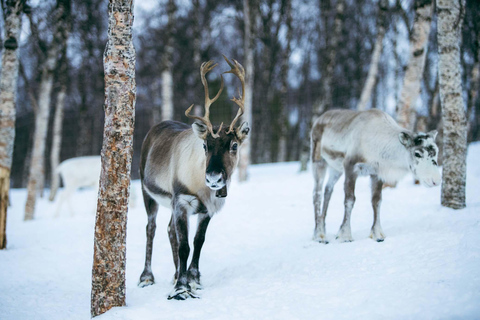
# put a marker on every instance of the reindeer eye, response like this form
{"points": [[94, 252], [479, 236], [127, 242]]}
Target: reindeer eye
{"points": [[418, 154], [205, 147], [434, 163], [234, 146]]}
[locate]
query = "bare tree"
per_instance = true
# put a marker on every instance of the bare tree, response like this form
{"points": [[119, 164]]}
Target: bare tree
{"points": [[416, 64], [450, 18], [8, 95], [57, 125], [167, 77], [325, 102], [283, 121], [109, 260], [377, 52], [61, 14], [245, 151]]}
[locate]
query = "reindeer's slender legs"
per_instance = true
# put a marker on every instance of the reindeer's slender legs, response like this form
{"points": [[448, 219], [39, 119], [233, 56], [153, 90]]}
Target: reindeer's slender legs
{"points": [[377, 232], [345, 232], [319, 171], [182, 290], [152, 207], [333, 176], [193, 272], [172, 235]]}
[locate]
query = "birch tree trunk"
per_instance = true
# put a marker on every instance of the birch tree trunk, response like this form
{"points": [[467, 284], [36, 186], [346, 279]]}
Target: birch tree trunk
{"points": [[413, 75], [453, 107], [109, 259], [167, 77], [60, 15], [8, 95], [245, 150], [57, 141], [377, 52], [282, 143]]}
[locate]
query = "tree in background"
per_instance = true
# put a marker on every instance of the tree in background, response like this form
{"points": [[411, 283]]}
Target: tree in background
{"points": [[61, 17], [109, 259], [167, 76], [416, 64], [249, 17], [377, 52], [58, 123], [450, 18], [8, 95]]}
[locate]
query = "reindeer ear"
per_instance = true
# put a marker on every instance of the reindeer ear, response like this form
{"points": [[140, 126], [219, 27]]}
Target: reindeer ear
{"points": [[406, 139], [433, 134], [200, 129], [242, 131]]}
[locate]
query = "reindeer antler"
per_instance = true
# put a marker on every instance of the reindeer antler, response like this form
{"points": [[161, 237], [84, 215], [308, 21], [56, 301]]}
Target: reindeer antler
{"points": [[204, 69], [238, 70]]}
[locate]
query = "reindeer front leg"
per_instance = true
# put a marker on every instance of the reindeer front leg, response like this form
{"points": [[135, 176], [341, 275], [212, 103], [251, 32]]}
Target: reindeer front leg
{"points": [[193, 272], [182, 290], [377, 232]]}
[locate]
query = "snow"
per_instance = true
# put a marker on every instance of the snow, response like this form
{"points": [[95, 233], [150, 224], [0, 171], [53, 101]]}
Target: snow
{"points": [[259, 261]]}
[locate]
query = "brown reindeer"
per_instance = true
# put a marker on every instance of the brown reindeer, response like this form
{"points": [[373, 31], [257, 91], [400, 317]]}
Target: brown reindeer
{"points": [[188, 169]]}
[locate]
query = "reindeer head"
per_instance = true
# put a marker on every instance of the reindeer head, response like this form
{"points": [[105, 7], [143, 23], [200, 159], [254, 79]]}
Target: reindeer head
{"points": [[221, 146], [423, 156]]}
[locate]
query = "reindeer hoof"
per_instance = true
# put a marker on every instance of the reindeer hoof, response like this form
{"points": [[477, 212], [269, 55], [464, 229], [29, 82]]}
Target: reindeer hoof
{"points": [[146, 279], [322, 241], [380, 240], [182, 294], [145, 283]]}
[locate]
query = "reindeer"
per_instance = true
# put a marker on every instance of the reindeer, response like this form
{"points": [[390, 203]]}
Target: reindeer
{"points": [[188, 169], [361, 144], [77, 173]]}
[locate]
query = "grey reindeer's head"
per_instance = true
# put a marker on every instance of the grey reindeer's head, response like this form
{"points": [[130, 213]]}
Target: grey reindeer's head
{"points": [[423, 156], [221, 145]]}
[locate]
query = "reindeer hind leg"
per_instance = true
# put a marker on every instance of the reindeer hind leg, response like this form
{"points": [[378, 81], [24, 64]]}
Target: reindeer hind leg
{"points": [[147, 278]]}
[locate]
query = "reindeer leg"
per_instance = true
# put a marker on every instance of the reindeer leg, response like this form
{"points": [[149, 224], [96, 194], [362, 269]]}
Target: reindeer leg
{"points": [[319, 172], [345, 232], [172, 235], [193, 272], [377, 232], [182, 290], [333, 176], [151, 206]]}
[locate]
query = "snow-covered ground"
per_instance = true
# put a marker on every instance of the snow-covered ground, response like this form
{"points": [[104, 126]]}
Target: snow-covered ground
{"points": [[258, 261]]}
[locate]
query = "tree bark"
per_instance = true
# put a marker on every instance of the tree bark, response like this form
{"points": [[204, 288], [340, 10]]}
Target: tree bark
{"points": [[109, 260], [8, 95], [413, 75], [245, 150], [167, 77], [282, 143], [377, 52], [61, 15], [450, 20]]}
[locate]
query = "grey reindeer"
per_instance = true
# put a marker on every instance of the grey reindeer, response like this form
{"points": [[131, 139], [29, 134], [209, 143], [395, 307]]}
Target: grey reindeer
{"points": [[365, 143], [188, 169]]}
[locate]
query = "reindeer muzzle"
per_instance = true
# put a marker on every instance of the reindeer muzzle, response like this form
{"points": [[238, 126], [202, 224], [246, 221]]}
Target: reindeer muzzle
{"points": [[222, 193]]}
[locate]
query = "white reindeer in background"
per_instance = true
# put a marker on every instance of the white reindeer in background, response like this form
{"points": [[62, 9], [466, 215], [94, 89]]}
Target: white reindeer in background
{"points": [[77, 173], [81, 172], [366, 143]]}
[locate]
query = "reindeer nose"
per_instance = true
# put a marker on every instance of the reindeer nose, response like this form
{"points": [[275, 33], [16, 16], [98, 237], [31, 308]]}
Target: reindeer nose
{"points": [[214, 179]]}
